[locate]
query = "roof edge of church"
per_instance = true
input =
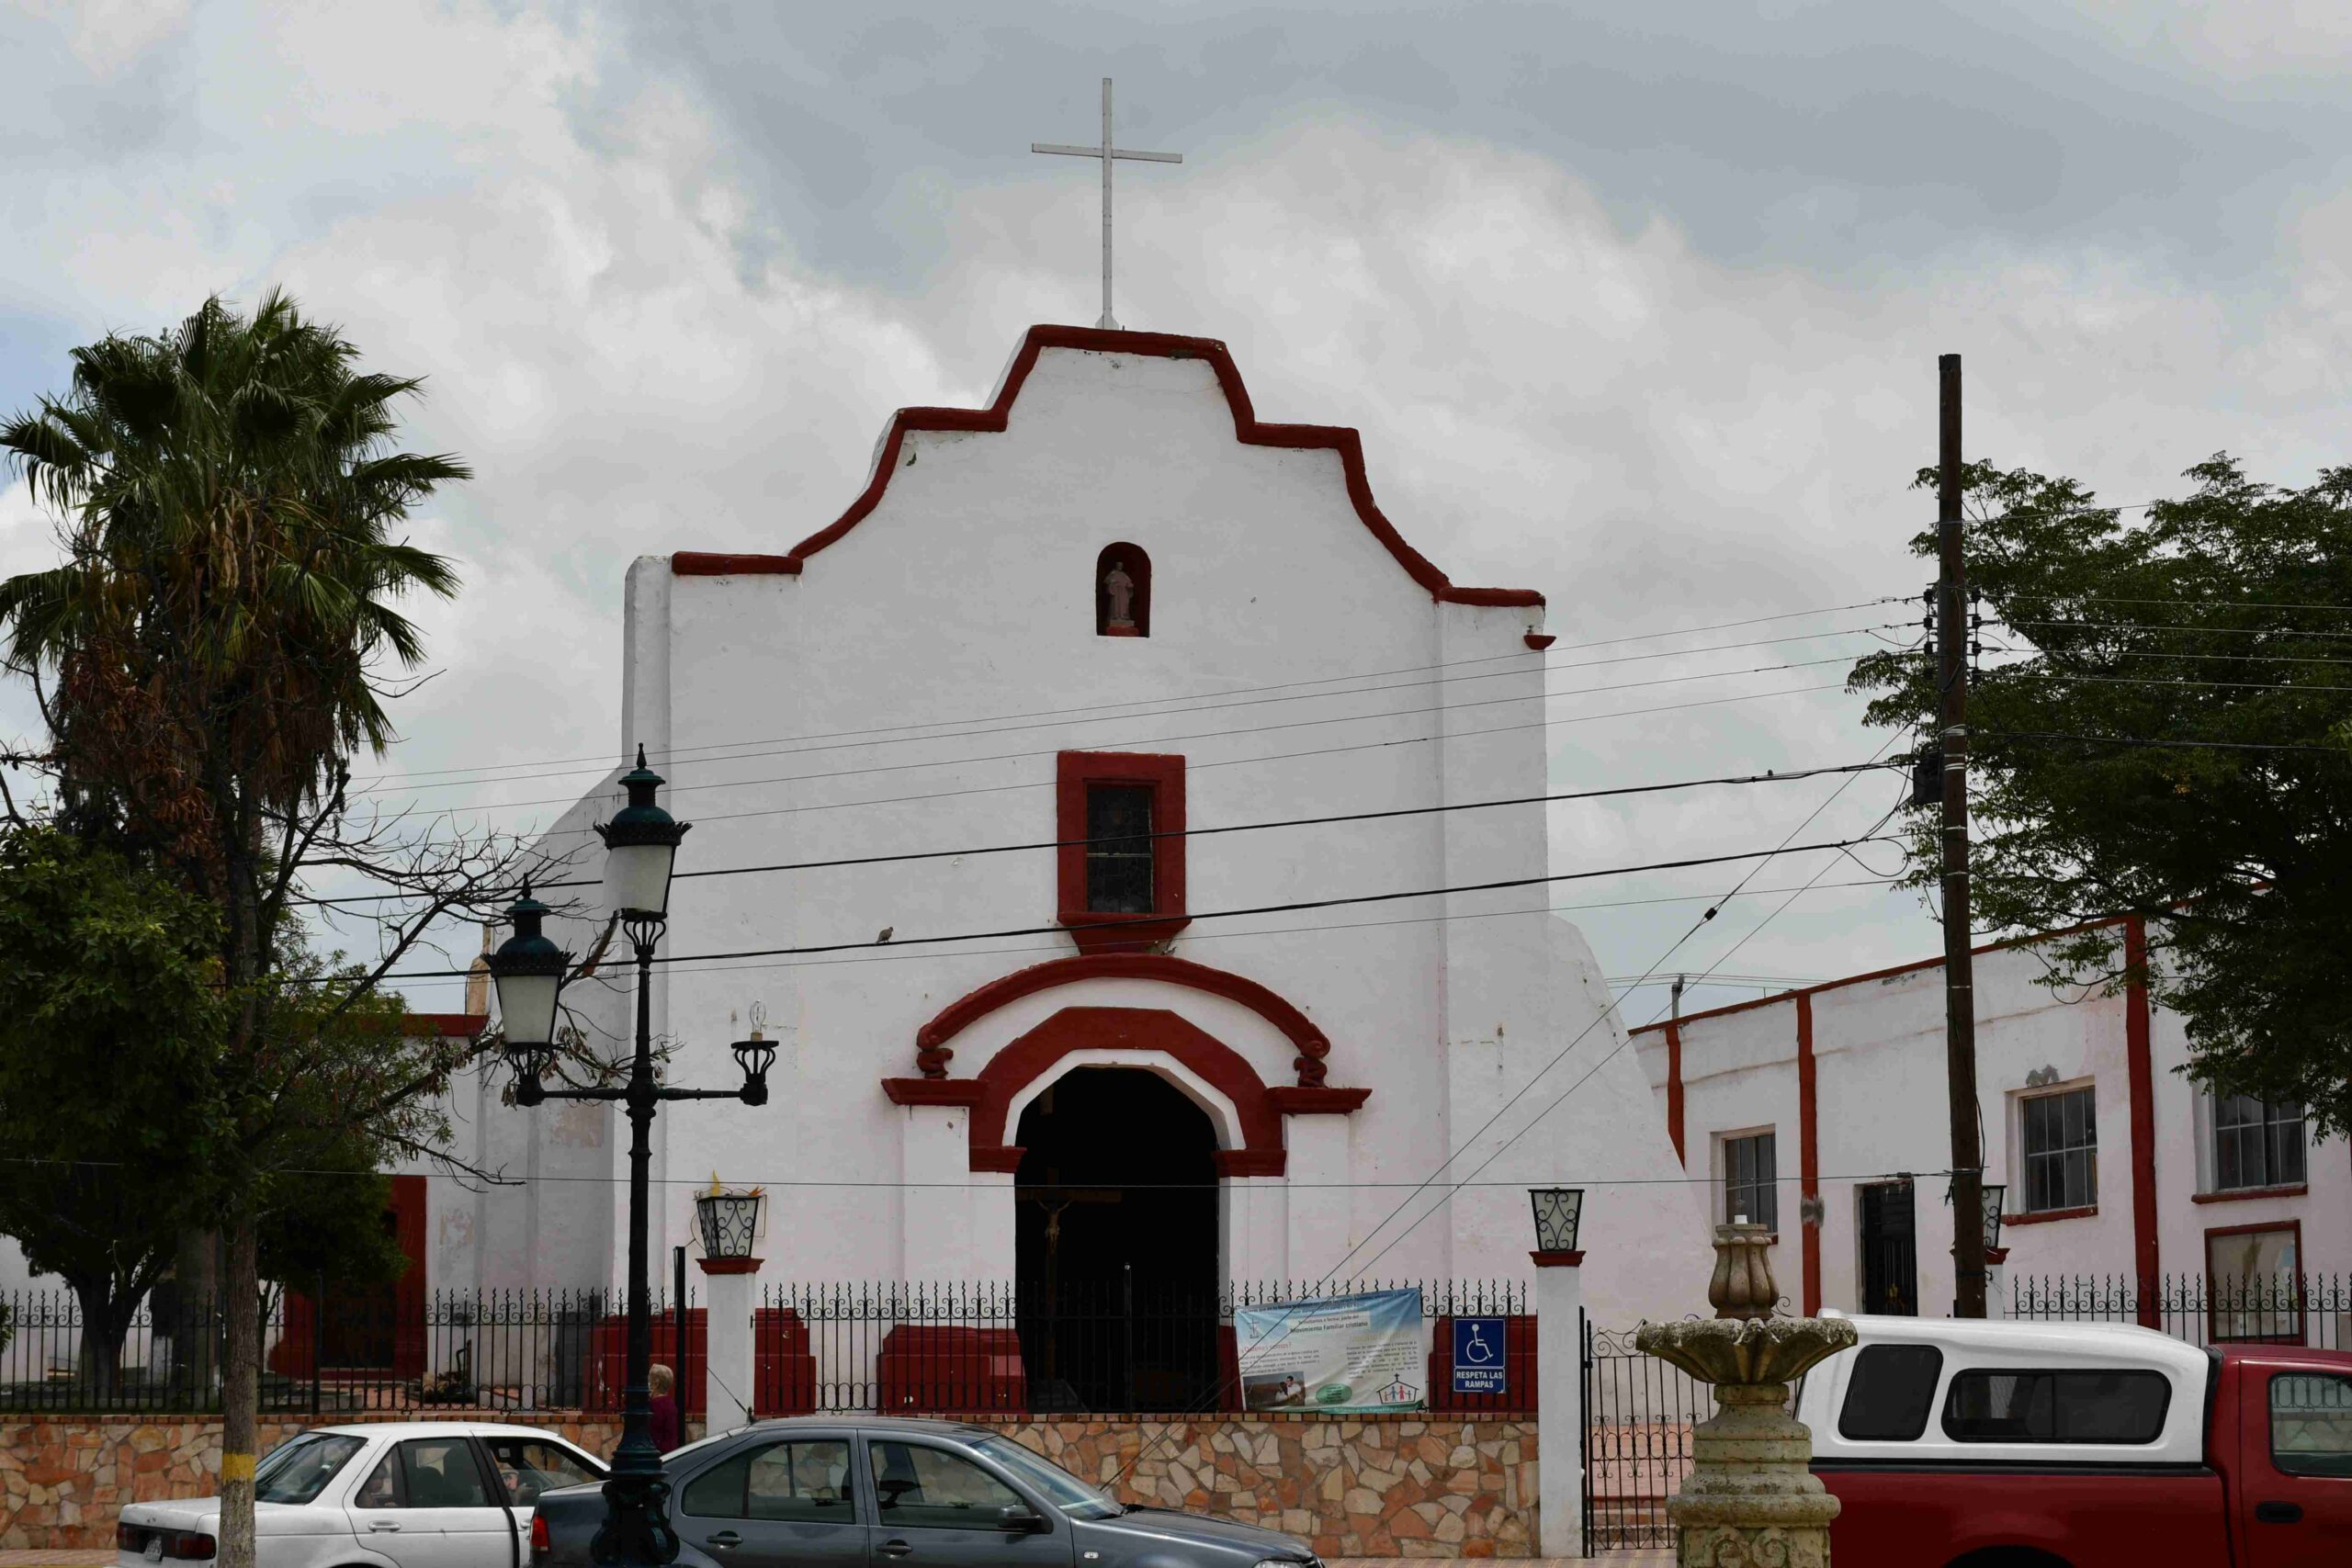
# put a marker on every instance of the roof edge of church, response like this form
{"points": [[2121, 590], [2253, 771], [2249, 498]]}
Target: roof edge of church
{"points": [[993, 418]]}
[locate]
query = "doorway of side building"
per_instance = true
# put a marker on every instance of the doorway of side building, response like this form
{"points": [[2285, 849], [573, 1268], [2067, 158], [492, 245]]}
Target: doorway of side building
{"points": [[1115, 1237], [1890, 1250]]}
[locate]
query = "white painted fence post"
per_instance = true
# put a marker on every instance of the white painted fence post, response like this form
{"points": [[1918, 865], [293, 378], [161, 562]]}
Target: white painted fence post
{"points": [[1559, 1399], [728, 1361]]}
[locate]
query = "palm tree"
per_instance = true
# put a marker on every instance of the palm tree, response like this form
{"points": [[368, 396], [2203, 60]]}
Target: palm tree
{"points": [[215, 648]]}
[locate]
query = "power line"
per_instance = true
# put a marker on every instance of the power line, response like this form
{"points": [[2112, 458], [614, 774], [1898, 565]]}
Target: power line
{"points": [[1294, 907], [1311, 928], [2143, 741], [1614, 1005], [1167, 739], [703, 1182], [677, 753], [2284, 632], [1401, 811]]}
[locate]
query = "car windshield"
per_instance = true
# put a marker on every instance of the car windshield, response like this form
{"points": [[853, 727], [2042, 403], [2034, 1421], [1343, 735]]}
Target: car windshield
{"points": [[297, 1471], [1065, 1491]]}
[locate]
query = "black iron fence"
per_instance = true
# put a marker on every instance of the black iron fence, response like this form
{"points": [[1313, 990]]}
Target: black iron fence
{"points": [[2313, 1309], [332, 1357], [1639, 1413], [1121, 1344], [1116, 1345]]}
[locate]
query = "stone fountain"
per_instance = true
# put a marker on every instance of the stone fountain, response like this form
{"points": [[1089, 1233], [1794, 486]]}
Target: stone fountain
{"points": [[1751, 1500]]}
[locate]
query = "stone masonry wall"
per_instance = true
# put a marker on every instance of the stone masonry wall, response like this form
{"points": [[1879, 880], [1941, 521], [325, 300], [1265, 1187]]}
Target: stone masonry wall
{"points": [[1418, 1485]]}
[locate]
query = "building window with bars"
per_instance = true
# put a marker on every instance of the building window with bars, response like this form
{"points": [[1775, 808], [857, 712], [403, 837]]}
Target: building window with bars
{"points": [[1750, 1169], [2257, 1144], [1120, 876], [2061, 1142], [1118, 848]]}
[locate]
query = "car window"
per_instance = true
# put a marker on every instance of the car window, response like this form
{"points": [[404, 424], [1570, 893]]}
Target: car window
{"points": [[1987, 1406], [914, 1485], [382, 1487], [299, 1471], [532, 1465], [439, 1473], [1890, 1394], [2311, 1422], [804, 1480], [1062, 1489]]}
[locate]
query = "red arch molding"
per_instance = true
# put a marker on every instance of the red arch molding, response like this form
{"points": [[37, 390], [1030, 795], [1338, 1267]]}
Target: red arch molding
{"points": [[1158, 345], [931, 1052], [1030, 1057]]}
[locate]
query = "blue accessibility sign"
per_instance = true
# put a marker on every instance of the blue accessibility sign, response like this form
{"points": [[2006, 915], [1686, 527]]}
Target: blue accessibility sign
{"points": [[1478, 1356]]}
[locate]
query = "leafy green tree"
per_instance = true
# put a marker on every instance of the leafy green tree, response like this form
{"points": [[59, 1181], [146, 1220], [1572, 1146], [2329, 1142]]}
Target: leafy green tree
{"points": [[220, 641], [2163, 727], [110, 1029]]}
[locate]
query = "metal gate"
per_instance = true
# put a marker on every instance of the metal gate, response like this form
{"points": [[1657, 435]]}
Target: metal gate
{"points": [[1638, 1413]]}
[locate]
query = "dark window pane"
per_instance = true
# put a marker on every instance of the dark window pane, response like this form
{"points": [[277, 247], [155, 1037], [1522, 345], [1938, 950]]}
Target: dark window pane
{"points": [[808, 1483], [1893, 1389], [2056, 1408], [1119, 849], [2310, 1424], [2060, 1150], [1749, 1190], [918, 1486], [440, 1472]]}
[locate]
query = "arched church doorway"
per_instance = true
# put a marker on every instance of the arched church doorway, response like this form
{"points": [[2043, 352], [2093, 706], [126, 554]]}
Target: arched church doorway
{"points": [[1116, 1244]]}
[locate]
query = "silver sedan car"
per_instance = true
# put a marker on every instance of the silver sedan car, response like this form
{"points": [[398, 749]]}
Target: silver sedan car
{"points": [[404, 1495]]}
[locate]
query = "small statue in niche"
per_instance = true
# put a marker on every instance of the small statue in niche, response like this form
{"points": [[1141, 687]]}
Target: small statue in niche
{"points": [[1120, 590]]}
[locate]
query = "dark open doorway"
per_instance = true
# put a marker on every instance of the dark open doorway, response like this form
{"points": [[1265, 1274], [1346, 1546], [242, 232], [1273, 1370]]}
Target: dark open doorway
{"points": [[1116, 1244]]}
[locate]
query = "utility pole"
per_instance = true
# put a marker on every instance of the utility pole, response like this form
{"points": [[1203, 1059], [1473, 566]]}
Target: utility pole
{"points": [[1959, 989]]}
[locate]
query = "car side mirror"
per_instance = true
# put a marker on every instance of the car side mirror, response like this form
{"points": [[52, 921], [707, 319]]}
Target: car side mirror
{"points": [[1017, 1518]]}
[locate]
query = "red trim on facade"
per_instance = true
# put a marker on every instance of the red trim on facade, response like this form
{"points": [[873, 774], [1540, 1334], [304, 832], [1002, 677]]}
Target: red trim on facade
{"points": [[1153, 1031], [453, 1025], [933, 1054], [2213, 1295], [1095, 932], [1808, 1156], [2248, 1194], [410, 1207], [1297, 1100], [2044, 1216], [1539, 641], [1558, 1260], [934, 1091], [2143, 1077], [1246, 429], [729, 1265], [1888, 974], [1674, 1090], [704, 563]]}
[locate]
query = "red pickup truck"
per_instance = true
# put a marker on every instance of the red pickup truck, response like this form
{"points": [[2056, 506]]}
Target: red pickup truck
{"points": [[1959, 1444]]}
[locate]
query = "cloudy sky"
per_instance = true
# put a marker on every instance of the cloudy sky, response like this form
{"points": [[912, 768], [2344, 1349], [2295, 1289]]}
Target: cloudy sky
{"points": [[1637, 304]]}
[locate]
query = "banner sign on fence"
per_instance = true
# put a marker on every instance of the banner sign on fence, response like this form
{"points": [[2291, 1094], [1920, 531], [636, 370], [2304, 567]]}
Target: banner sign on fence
{"points": [[1347, 1353], [1478, 1356]]}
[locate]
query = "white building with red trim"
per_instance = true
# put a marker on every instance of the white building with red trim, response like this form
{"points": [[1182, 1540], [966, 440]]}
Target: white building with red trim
{"points": [[1132, 1077], [2117, 1167]]}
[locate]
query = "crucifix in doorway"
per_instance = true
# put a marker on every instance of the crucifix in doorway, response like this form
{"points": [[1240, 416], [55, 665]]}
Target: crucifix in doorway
{"points": [[1108, 155]]}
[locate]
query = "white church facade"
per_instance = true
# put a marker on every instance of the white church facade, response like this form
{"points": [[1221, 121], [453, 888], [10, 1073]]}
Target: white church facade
{"points": [[1077, 647]]}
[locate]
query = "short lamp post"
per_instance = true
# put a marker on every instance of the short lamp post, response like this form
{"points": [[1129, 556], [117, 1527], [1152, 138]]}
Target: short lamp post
{"points": [[730, 1223], [640, 850], [1559, 1363]]}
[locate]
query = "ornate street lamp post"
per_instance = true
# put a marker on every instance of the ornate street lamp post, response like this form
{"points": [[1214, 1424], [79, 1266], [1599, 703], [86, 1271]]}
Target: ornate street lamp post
{"points": [[640, 847]]}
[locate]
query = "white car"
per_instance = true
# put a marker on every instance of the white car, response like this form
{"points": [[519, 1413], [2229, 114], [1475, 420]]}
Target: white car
{"points": [[404, 1495]]}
